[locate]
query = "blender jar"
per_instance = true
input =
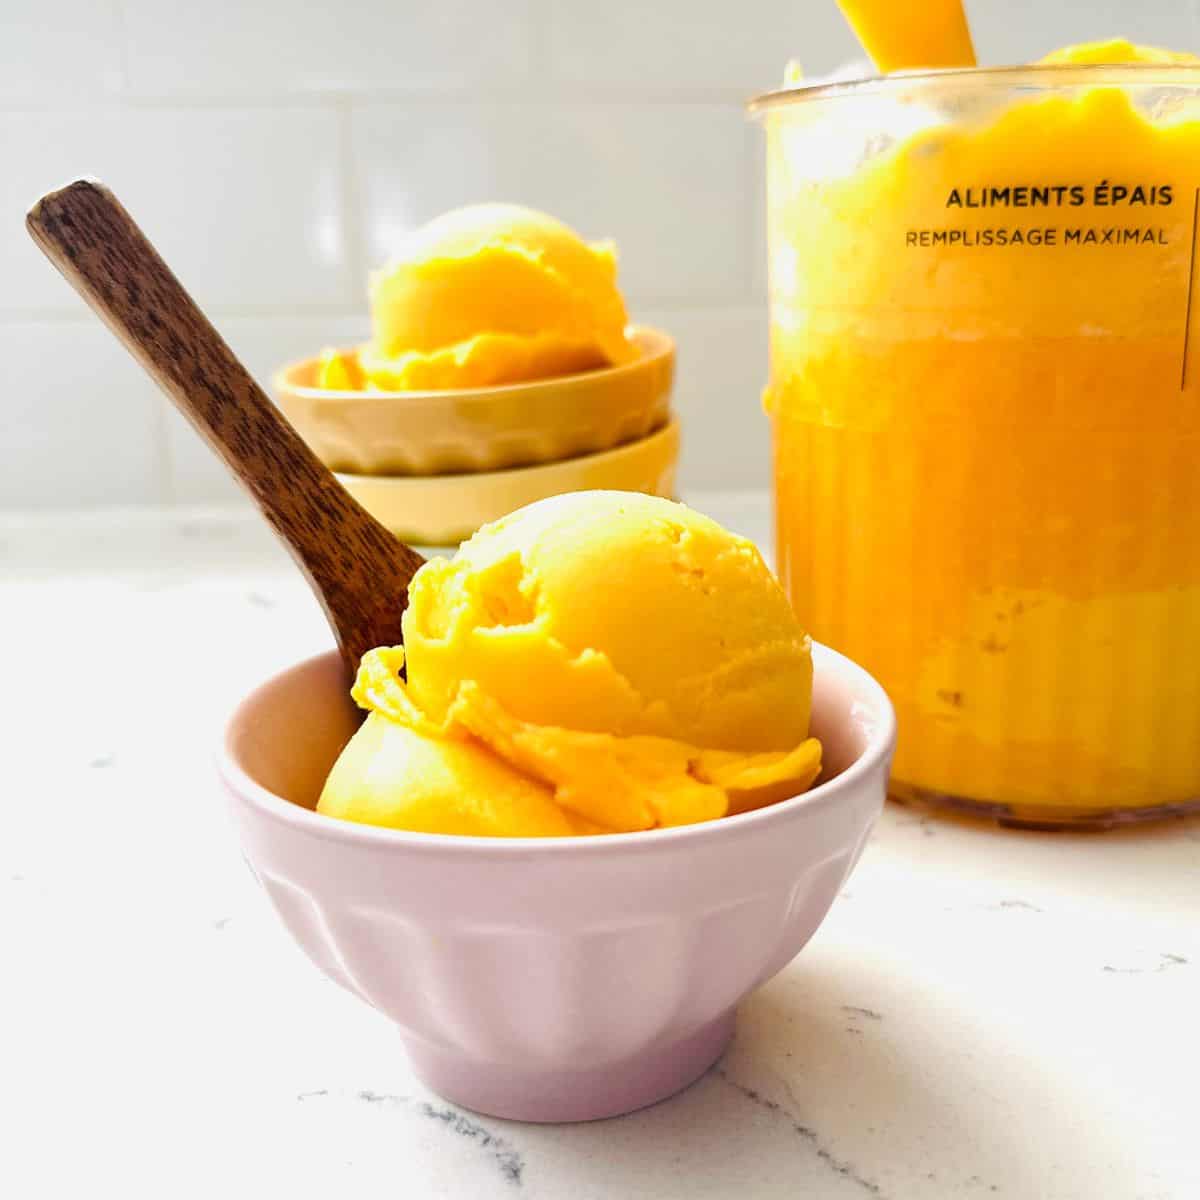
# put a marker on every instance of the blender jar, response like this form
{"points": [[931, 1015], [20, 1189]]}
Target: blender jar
{"points": [[985, 401]]}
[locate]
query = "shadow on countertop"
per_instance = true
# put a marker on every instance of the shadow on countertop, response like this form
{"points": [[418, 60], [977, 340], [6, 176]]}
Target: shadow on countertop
{"points": [[824, 1094]]}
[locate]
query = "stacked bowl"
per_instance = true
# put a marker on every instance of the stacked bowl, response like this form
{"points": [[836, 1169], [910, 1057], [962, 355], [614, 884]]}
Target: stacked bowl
{"points": [[435, 465]]}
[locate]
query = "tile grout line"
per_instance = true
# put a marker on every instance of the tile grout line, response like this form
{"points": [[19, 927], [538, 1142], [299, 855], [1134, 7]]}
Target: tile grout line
{"points": [[120, 25], [66, 316], [168, 485], [750, 203], [539, 48], [579, 95], [351, 197], [734, 302]]}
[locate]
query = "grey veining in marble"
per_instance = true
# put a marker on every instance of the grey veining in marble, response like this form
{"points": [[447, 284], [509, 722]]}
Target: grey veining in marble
{"points": [[985, 1013]]}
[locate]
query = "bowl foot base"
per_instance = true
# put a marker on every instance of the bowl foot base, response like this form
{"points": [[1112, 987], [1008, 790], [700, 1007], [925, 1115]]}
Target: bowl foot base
{"points": [[586, 1094]]}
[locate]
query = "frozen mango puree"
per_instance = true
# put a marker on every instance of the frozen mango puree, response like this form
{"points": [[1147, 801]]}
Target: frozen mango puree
{"points": [[483, 296], [985, 392], [598, 662]]}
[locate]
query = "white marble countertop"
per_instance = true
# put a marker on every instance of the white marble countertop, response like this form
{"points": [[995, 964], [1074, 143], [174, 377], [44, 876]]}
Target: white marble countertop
{"points": [[983, 1014]]}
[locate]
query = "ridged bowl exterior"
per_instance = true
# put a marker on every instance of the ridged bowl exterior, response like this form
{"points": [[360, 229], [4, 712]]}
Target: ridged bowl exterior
{"points": [[1043, 655], [550, 980], [442, 510], [481, 429]]}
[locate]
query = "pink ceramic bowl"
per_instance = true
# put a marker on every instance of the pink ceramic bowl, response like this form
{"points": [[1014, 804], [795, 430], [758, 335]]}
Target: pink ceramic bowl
{"points": [[550, 980]]}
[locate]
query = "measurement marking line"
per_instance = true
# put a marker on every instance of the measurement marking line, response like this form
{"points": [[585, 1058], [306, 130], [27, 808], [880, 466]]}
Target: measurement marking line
{"points": [[1187, 316]]}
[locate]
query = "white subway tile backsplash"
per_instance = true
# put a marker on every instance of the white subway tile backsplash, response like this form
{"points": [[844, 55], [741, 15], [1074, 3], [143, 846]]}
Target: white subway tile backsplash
{"points": [[275, 150], [721, 372], [682, 45], [195, 474], [244, 205], [229, 47], [80, 423], [70, 48], [1019, 31], [668, 182]]}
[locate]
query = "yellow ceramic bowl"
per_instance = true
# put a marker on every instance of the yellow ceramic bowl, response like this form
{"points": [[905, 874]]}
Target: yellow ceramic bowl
{"points": [[482, 429], [440, 510]]}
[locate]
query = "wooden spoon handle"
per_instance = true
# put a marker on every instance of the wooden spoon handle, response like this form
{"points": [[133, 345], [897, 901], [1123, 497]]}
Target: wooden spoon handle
{"points": [[359, 571]]}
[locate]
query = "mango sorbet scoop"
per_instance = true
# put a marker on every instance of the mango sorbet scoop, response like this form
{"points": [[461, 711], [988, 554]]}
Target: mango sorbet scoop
{"points": [[598, 662], [484, 296]]}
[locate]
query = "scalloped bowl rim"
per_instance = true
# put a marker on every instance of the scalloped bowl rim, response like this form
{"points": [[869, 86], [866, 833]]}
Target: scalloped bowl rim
{"points": [[659, 348]]}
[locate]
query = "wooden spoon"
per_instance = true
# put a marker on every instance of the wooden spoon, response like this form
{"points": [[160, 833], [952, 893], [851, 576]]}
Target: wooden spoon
{"points": [[359, 571]]}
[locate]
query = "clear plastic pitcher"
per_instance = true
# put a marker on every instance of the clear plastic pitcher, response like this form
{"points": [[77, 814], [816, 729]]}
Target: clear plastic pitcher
{"points": [[985, 398]]}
